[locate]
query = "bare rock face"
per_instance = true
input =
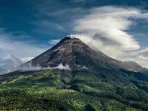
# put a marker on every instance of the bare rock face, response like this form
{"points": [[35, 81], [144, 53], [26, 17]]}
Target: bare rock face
{"points": [[59, 54], [75, 53]]}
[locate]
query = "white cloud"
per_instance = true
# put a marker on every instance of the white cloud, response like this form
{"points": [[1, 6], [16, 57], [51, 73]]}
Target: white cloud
{"points": [[78, 0], [20, 49], [104, 29], [61, 66], [108, 24], [139, 56], [53, 42], [30, 67], [26, 59], [47, 25], [8, 62]]}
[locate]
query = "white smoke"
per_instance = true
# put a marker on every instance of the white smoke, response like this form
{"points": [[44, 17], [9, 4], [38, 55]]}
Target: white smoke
{"points": [[61, 66], [30, 67]]}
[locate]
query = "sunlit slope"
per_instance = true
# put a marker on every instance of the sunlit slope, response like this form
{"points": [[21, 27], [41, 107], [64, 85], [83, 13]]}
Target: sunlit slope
{"points": [[73, 90]]}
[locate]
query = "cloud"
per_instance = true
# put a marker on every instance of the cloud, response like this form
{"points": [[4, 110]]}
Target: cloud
{"points": [[53, 42], [82, 1], [20, 49], [78, 0], [8, 62], [61, 66], [139, 56], [26, 59], [30, 67], [108, 24], [46, 26], [105, 28], [51, 25]]}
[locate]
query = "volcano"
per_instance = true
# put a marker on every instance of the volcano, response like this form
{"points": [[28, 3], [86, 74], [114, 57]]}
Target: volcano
{"points": [[76, 54], [94, 82]]}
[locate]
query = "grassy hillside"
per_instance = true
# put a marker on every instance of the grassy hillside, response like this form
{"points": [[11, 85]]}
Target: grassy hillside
{"points": [[84, 90]]}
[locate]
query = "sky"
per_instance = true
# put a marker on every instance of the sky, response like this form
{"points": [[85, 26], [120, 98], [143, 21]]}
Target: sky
{"points": [[116, 27]]}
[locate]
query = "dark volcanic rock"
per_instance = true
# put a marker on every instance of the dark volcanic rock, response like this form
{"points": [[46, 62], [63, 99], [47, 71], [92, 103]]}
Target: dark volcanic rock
{"points": [[76, 54]]}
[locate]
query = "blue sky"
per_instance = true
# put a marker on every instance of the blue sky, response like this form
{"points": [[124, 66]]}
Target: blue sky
{"points": [[30, 27]]}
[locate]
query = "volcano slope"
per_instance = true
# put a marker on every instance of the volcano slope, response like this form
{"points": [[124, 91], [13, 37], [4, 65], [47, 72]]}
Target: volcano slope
{"points": [[95, 82]]}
